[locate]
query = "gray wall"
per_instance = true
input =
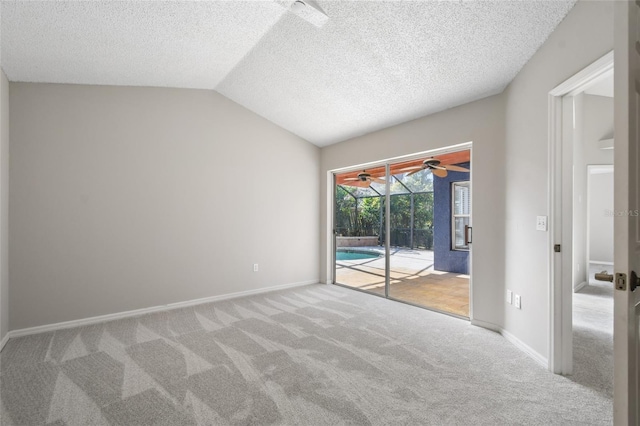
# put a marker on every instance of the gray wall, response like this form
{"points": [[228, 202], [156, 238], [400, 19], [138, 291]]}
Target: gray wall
{"points": [[4, 205], [510, 173], [124, 198], [585, 35]]}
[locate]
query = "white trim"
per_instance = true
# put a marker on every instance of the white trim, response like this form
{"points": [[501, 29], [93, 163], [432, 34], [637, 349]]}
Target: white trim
{"points": [[330, 234], [526, 349], [580, 286], [487, 325], [471, 283], [560, 329], [537, 357], [593, 73], [601, 262], [4, 341], [605, 143], [454, 216], [138, 312]]}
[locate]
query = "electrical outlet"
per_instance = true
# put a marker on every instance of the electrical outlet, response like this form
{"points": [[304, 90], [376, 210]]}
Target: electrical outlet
{"points": [[255, 267], [518, 302], [509, 296], [541, 223]]}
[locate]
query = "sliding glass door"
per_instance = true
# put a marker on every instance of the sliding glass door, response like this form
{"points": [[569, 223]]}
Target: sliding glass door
{"points": [[360, 215], [418, 253]]}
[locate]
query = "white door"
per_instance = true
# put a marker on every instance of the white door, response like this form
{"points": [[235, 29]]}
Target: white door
{"points": [[626, 327]]}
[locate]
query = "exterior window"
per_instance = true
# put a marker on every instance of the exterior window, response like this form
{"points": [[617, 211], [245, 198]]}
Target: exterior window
{"points": [[460, 214]]}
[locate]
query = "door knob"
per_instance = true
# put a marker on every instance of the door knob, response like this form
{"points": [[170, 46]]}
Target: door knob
{"points": [[603, 276]]}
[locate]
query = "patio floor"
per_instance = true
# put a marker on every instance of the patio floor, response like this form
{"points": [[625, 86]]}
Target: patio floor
{"points": [[413, 279]]}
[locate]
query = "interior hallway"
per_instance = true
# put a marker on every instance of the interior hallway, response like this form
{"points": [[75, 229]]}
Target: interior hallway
{"points": [[593, 334]]}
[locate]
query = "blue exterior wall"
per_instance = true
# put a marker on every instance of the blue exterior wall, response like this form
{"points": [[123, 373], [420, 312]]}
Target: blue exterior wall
{"points": [[446, 259]]}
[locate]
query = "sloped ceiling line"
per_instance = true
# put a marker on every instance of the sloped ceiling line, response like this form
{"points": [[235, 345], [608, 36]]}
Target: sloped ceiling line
{"points": [[373, 64]]}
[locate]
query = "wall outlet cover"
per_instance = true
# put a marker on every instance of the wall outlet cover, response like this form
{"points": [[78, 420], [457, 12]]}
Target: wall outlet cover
{"points": [[518, 302]]}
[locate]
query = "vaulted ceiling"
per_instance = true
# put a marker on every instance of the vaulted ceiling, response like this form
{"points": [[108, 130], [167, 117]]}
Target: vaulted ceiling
{"points": [[371, 65]]}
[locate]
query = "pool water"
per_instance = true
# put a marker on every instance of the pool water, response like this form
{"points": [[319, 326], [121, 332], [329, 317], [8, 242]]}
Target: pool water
{"points": [[356, 255]]}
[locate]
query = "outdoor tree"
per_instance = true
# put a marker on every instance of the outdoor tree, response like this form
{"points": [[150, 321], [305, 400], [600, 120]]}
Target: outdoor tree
{"points": [[358, 210]]}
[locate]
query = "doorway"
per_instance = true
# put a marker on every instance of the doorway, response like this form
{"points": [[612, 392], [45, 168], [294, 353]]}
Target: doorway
{"points": [[581, 142], [403, 230], [592, 300]]}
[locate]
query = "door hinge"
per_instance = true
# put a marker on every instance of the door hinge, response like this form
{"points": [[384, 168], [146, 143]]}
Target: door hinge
{"points": [[621, 281], [556, 248]]}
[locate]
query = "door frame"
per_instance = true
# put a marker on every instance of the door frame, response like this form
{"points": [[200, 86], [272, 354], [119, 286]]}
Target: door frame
{"points": [[560, 200], [331, 213]]}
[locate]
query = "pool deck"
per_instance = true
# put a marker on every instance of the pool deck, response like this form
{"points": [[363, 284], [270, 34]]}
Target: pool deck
{"points": [[413, 279]]}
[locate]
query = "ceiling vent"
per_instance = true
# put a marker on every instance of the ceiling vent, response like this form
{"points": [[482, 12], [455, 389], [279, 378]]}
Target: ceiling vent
{"points": [[310, 11]]}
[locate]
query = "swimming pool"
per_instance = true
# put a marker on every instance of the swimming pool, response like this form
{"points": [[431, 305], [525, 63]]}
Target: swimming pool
{"points": [[356, 254]]}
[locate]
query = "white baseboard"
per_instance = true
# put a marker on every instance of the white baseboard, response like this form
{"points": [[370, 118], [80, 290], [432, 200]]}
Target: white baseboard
{"points": [[601, 262], [580, 286], [138, 312], [487, 325], [543, 361], [4, 341], [513, 340]]}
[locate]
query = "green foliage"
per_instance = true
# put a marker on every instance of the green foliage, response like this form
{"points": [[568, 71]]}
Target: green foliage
{"points": [[361, 216], [346, 218], [356, 218], [369, 216], [422, 211]]}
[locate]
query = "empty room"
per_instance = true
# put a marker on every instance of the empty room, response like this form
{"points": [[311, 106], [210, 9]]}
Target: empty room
{"points": [[307, 212]]}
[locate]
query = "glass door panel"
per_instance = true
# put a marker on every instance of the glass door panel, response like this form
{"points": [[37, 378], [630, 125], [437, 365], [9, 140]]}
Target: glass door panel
{"points": [[359, 230], [429, 216], [428, 258]]}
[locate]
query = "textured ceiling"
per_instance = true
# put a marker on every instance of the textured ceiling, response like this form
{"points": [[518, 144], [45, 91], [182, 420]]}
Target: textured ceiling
{"points": [[371, 65]]}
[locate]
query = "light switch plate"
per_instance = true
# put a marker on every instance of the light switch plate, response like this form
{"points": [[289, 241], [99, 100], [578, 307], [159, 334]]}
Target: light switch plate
{"points": [[509, 296], [541, 223], [517, 302]]}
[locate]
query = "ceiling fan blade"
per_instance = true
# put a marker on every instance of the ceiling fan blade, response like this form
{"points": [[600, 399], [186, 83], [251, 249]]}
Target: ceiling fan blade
{"points": [[378, 180], [440, 172], [409, 168], [353, 178], [455, 168], [358, 183]]}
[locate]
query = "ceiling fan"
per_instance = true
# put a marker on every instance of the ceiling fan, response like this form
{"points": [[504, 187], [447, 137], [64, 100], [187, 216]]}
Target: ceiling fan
{"points": [[363, 180], [433, 165]]}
